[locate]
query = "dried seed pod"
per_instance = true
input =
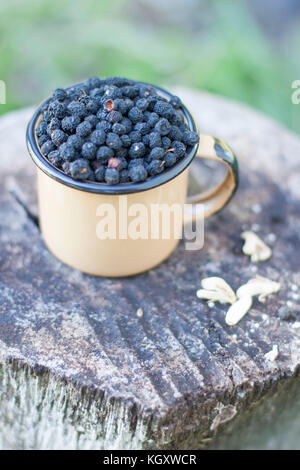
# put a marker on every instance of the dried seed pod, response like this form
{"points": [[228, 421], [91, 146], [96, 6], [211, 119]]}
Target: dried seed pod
{"points": [[255, 247], [238, 310], [260, 286], [210, 295], [225, 292]]}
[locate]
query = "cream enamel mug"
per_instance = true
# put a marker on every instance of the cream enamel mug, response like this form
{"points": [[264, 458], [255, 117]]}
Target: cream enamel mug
{"points": [[70, 210]]}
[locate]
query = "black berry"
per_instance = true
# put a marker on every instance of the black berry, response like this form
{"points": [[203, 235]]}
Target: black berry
{"points": [[137, 150], [138, 173], [80, 169], [112, 176], [58, 137], [104, 154], [47, 147], [89, 150]]}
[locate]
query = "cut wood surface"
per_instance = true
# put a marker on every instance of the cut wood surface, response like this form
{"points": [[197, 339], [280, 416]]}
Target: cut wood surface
{"points": [[175, 375]]}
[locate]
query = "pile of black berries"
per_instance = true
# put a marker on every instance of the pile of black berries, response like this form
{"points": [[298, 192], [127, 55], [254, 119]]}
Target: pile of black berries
{"points": [[113, 130]]}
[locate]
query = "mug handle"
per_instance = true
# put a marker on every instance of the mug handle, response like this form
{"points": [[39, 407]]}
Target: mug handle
{"points": [[216, 198]]}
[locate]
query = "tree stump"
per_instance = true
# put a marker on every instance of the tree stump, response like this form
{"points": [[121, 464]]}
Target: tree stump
{"points": [[80, 369]]}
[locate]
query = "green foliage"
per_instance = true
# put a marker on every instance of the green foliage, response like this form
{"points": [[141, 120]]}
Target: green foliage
{"points": [[44, 45]]}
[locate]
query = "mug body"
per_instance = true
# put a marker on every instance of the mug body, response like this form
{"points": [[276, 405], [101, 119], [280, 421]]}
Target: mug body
{"points": [[72, 213], [109, 234]]}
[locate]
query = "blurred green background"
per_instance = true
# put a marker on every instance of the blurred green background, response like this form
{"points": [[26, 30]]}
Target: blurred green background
{"points": [[246, 50]]}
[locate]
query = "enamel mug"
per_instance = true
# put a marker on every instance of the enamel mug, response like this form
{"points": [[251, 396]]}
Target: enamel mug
{"points": [[72, 212]]}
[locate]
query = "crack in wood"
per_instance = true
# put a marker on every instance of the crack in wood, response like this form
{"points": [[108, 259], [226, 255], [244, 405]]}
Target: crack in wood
{"points": [[32, 217]]}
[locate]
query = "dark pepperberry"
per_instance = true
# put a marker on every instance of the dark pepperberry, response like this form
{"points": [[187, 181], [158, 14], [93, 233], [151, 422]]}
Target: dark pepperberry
{"points": [[93, 82], [44, 138], [99, 173], [155, 167], [138, 173], [76, 92], [135, 162], [113, 141], [145, 139], [47, 147], [59, 94], [53, 124], [47, 116], [98, 137], [152, 100], [104, 154], [121, 153], [169, 159], [156, 153], [145, 91], [58, 137], [112, 91], [135, 136], [118, 128], [146, 115], [127, 124], [190, 138], [163, 109], [75, 141], [176, 118], [84, 129], [137, 150], [80, 169], [54, 157], [142, 127], [102, 114], [166, 142], [175, 133], [119, 81], [142, 104], [153, 119], [175, 101], [66, 151], [129, 104], [57, 109], [114, 116], [92, 120], [97, 92], [162, 126], [70, 123], [179, 148], [84, 99], [104, 125], [89, 150], [126, 140], [154, 139], [41, 129], [135, 115], [183, 127], [120, 105], [123, 162], [112, 176], [124, 176], [76, 108], [129, 92], [66, 167]]}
